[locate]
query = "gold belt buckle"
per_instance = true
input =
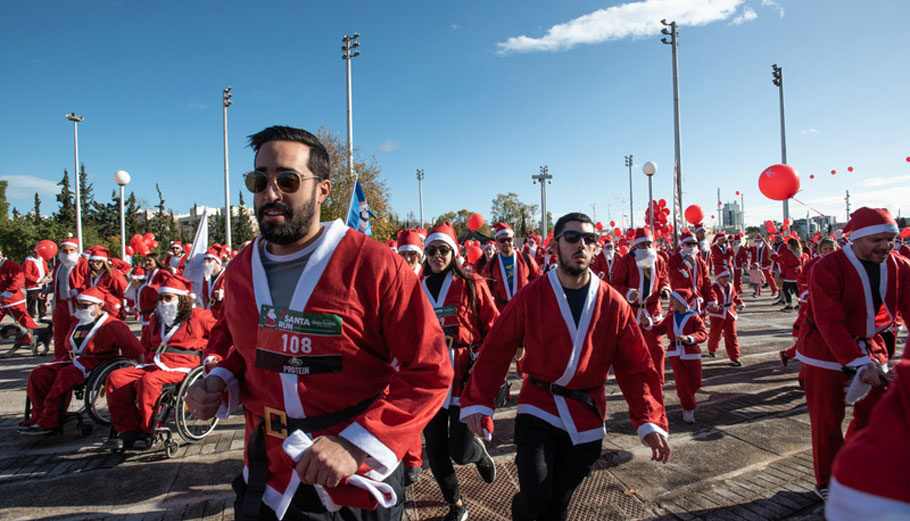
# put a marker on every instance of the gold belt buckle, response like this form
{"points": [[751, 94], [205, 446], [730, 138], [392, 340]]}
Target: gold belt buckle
{"points": [[279, 428], [450, 340], [72, 355]]}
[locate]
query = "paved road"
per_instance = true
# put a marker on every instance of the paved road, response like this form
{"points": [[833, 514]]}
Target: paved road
{"points": [[747, 457]]}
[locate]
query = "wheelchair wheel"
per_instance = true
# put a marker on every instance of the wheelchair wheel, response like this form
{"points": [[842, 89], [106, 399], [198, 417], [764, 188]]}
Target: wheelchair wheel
{"points": [[95, 393], [189, 427]]}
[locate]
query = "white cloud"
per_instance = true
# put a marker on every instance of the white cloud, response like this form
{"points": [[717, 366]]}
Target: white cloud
{"points": [[747, 15], [25, 186], [875, 182], [807, 131], [773, 4], [196, 106], [455, 27], [630, 20], [389, 146]]}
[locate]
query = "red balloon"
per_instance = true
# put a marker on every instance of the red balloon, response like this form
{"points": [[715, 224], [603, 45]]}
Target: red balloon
{"points": [[623, 250], [849, 169], [694, 214], [908, 159], [46, 249], [474, 254], [662, 203], [811, 176], [599, 226], [130, 251], [719, 203], [737, 192], [475, 221], [833, 172], [786, 221], [612, 224], [616, 231], [712, 217], [785, 227], [905, 232], [779, 182], [153, 245], [148, 237]]}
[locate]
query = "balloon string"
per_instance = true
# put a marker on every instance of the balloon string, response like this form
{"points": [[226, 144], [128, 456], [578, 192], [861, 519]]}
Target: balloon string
{"points": [[809, 207]]}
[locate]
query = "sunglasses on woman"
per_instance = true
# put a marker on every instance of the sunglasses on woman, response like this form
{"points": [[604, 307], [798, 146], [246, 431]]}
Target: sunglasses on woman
{"points": [[433, 250], [288, 181], [572, 237]]}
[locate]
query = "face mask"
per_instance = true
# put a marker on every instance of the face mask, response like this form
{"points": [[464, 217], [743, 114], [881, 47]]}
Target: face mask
{"points": [[208, 268], [688, 251], [609, 252], [84, 315], [167, 311], [645, 257], [69, 259]]}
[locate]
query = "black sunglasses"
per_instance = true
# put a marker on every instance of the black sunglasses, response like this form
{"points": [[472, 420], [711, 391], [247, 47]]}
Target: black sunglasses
{"points": [[433, 250], [504, 240], [572, 237], [80, 305], [288, 181]]}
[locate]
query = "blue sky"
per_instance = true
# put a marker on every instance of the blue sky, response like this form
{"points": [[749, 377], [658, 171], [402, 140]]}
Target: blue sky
{"points": [[454, 89]]}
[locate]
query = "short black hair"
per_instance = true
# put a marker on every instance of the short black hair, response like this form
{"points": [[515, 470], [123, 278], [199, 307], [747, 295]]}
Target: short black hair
{"points": [[318, 162], [569, 217]]}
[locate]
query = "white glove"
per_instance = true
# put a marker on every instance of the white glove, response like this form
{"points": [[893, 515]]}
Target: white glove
{"points": [[857, 389]]}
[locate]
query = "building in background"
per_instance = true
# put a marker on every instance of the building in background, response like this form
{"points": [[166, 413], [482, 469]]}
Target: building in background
{"points": [[732, 218]]}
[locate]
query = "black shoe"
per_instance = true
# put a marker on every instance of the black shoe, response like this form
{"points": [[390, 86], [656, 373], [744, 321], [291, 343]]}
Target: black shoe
{"points": [[136, 440], [35, 430], [411, 475], [113, 444], [457, 513], [822, 492], [737, 363], [783, 358], [712, 354], [485, 467], [787, 308]]}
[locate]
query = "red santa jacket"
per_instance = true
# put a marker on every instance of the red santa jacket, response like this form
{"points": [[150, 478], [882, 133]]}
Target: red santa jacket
{"points": [[690, 325], [762, 254], [576, 357], [694, 276], [365, 327], [790, 264], [722, 257], [34, 269], [111, 281], [628, 276], [107, 338], [843, 326], [805, 306], [743, 258], [176, 264], [525, 270], [178, 349], [11, 281], [464, 326], [704, 253], [725, 297], [214, 296], [905, 251], [604, 267]]}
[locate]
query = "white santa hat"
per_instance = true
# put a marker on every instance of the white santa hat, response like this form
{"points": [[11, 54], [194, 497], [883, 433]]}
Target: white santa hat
{"points": [[70, 241], [700, 227], [642, 234], [99, 253], [503, 229], [724, 273], [870, 221], [445, 232], [409, 240]]}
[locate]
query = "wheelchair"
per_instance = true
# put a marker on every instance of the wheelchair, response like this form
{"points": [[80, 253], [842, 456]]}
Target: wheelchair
{"points": [[91, 396], [188, 427]]}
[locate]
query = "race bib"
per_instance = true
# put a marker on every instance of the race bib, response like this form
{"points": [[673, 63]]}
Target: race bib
{"points": [[448, 319], [294, 342]]}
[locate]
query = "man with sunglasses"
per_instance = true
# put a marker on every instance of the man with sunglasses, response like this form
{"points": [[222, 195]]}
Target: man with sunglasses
{"points": [[176, 259], [561, 408], [338, 359], [508, 271], [96, 271]]}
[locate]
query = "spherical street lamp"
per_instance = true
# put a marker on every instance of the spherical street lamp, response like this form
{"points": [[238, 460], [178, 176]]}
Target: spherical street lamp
{"points": [[122, 178]]}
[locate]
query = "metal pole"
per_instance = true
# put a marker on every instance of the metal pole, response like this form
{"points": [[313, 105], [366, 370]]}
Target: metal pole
{"points": [[420, 176], [650, 205], [349, 45], [76, 119], [122, 227], [631, 206], [777, 78], [543, 178], [674, 43], [742, 204], [227, 191]]}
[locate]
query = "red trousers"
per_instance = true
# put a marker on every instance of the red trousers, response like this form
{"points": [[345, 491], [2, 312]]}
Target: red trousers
{"points": [[60, 322], [825, 398], [769, 278], [132, 393], [728, 327], [655, 345], [20, 315], [738, 280], [687, 374], [49, 389]]}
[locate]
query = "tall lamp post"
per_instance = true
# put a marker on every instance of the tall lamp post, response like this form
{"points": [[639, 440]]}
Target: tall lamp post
{"points": [[350, 43], [649, 169], [631, 209], [76, 120], [543, 178], [777, 78], [420, 176], [673, 41], [226, 99], [122, 178]]}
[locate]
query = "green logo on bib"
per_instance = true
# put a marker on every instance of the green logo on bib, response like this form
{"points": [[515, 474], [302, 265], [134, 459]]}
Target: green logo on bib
{"points": [[284, 319], [445, 311]]}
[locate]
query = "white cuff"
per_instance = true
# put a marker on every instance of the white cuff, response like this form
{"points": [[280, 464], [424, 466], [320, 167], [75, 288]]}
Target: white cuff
{"points": [[475, 409], [859, 362], [380, 457], [231, 387], [629, 293], [647, 428]]}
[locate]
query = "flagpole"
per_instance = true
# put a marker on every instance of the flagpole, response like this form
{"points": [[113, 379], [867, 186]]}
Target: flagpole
{"points": [[351, 205]]}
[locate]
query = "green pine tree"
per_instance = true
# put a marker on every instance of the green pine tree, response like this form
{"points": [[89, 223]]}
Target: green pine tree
{"points": [[66, 214]]}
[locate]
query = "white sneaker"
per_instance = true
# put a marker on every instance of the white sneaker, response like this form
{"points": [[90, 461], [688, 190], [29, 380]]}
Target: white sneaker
{"points": [[689, 416]]}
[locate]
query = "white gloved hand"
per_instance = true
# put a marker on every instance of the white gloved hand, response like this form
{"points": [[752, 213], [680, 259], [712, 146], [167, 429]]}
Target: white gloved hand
{"points": [[858, 389]]}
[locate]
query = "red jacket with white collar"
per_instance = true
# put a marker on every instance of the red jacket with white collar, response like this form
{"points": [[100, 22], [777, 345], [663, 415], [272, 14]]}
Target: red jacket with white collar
{"points": [[11, 280], [603, 267], [790, 265], [495, 273], [690, 325], [694, 276], [722, 257], [724, 296], [34, 269], [628, 276], [186, 343], [108, 337]]}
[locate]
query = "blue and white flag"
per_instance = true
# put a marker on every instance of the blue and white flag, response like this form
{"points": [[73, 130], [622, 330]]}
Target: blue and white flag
{"points": [[359, 213]]}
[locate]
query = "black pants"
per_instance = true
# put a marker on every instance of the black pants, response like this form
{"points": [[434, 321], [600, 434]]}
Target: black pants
{"points": [[550, 468], [306, 505], [449, 439], [790, 287], [36, 307], [890, 342]]}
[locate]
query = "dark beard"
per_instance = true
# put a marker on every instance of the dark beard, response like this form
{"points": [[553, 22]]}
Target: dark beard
{"points": [[565, 265], [296, 221]]}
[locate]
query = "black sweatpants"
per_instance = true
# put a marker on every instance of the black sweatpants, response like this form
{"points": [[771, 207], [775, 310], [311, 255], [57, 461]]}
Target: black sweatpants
{"points": [[35, 305], [306, 505], [550, 468], [449, 439]]}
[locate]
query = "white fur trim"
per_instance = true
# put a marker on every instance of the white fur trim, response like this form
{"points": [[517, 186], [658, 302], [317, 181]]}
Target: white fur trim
{"points": [[849, 504], [640, 240], [379, 456], [232, 387], [475, 409], [505, 231], [410, 247], [647, 428], [444, 237], [872, 230], [173, 291], [90, 299]]}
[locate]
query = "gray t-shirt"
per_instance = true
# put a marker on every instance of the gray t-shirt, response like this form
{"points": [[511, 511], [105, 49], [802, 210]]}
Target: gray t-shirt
{"points": [[283, 271]]}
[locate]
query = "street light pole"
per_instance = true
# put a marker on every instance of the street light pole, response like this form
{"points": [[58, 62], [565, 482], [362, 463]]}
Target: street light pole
{"points": [[631, 208], [673, 41], [226, 98], [76, 119], [649, 169], [543, 178], [350, 43], [420, 176], [122, 178], [777, 78]]}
